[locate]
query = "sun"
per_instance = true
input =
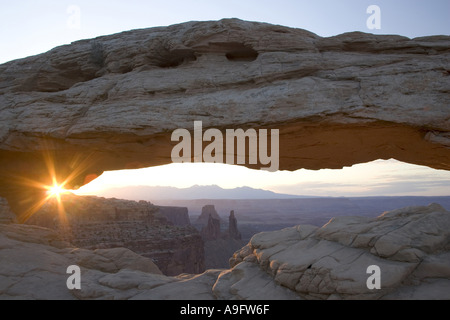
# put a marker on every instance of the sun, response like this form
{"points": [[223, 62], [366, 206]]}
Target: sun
{"points": [[56, 190]]}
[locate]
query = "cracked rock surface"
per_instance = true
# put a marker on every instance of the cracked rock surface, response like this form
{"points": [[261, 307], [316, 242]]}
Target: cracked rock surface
{"points": [[331, 262], [410, 246]]}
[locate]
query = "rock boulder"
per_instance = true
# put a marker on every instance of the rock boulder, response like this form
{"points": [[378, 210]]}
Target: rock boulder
{"points": [[331, 262], [302, 262]]}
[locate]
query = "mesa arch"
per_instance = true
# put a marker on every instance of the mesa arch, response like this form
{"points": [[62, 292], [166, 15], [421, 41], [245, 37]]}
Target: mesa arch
{"points": [[112, 102]]}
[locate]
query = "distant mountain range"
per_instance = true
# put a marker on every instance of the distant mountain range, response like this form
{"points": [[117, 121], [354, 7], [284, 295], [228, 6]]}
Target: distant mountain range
{"points": [[150, 193]]}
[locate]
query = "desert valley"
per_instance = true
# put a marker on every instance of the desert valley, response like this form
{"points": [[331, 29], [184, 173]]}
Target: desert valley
{"points": [[121, 101]]}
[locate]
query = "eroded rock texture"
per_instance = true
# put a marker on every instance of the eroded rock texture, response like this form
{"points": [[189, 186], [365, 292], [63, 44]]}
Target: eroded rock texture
{"points": [[411, 247], [34, 261], [112, 102], [98, 223]]}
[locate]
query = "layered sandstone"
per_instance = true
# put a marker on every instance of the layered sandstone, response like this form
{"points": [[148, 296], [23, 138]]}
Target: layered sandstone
{"points": [[411, 246], [112, 102], [97, 223], [34, 262]]}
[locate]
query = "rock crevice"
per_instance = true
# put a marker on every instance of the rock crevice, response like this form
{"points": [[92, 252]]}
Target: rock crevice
{"points": [[323, 263], [292, 264]]}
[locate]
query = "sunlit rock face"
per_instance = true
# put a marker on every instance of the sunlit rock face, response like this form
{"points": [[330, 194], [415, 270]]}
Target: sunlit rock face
{"points": [[113, 102]]}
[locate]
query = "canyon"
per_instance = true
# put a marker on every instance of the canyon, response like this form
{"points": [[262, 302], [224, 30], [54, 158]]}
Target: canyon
{"points": [[112, 102], [220, 240], [410, 246], [97, 223]]}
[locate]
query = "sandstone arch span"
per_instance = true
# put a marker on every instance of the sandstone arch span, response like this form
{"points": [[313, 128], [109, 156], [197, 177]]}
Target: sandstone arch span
{"points": [[112, 102]]}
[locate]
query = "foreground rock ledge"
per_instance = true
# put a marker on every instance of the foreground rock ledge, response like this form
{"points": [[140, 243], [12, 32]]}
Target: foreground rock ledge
{"points": [[411, 246], [112, 102]]}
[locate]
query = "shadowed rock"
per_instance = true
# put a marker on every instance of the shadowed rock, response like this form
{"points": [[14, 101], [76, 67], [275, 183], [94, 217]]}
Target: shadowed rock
{"points": [[6, 215], [410, 246], [97, 223], [112, 102], [233, 231], [212, 229]]}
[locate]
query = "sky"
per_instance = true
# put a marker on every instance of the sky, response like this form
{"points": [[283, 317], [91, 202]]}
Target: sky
{"points": [[376, 178], [30, 27]]}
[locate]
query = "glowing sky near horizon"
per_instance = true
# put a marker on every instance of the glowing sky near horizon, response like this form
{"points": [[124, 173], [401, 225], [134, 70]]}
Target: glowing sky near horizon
{"points": [[32, 27], [376, 178]]}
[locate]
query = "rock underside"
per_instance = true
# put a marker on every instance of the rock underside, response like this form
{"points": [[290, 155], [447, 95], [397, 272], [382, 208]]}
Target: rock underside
{"points": [[112, 102], [410, 246]]}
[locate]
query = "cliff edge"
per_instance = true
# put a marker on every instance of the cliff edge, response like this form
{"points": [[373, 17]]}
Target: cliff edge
{"points": [[410, 246]]}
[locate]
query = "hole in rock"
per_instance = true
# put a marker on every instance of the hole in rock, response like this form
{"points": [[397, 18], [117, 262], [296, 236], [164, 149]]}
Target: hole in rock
{"points": [[233, 51], [242, 53], [176, 58], [191, 217]]}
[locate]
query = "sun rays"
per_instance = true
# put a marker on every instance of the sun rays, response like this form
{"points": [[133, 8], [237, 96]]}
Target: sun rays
{"points": [[56, 190], [62, 172]]}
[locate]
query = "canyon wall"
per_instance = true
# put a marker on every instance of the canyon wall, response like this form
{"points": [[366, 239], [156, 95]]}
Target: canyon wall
{"points": [[220, 242], [178, 216], [93, 223], [409, 245]]}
